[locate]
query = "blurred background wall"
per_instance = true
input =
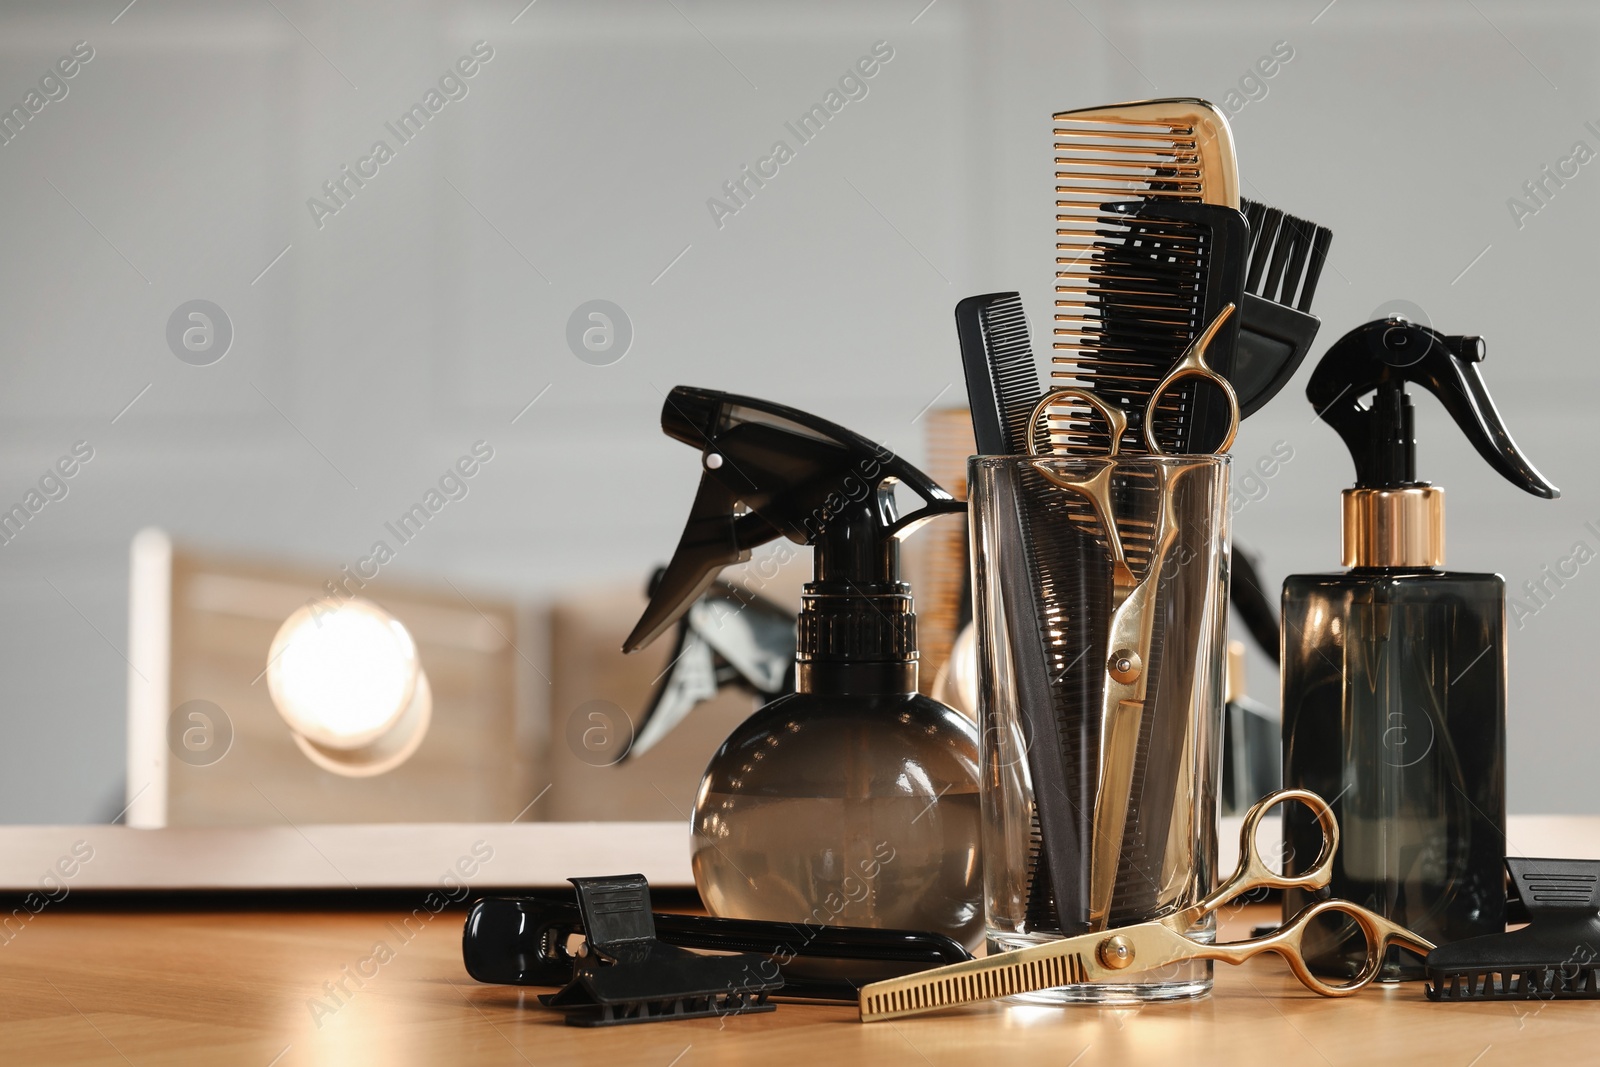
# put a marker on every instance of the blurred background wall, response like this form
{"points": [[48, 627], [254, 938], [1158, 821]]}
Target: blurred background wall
{"points": [[373, 346]]}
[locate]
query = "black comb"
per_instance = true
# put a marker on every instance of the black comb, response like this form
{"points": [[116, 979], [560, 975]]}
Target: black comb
{"points": [[1157, 273], [1002, 380], [1555, 957], [1058, 674], [1276, 327]]}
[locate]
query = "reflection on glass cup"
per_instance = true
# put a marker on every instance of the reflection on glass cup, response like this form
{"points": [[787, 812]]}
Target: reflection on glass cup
{"points": [[1101, 664]]}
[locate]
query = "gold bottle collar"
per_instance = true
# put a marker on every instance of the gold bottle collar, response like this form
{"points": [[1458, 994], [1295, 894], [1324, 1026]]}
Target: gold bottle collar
{"points": [[1394, 527]]}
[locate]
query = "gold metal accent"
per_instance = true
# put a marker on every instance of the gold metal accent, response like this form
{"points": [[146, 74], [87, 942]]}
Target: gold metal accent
{"points": [[1132, 623], [1076, 960], [1125, 665], [1192, 364], [1394, 527], [1116, 952]]}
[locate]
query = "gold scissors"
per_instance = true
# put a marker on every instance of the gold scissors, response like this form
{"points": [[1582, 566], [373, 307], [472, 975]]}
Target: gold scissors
{"points": [[1101, 957], [1191, 365], [1132, 600]]}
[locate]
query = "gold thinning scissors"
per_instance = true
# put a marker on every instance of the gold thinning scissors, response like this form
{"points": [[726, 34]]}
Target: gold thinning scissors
{"points": [[1132, 600], [1107, 956]]}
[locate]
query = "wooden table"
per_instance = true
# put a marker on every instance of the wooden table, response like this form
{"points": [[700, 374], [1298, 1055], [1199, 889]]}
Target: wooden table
{"points": [[241, 987]]}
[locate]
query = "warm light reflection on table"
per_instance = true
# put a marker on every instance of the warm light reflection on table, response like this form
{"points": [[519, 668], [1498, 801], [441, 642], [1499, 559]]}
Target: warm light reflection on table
{"points": [[83, 986]]}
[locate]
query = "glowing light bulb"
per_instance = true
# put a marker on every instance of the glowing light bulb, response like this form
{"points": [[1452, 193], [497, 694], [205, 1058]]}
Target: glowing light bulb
{"points": [[348, 681]]}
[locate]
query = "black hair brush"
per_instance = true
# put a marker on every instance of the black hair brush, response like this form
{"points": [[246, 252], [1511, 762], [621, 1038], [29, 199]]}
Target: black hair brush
{"points": [[1555, 957]]}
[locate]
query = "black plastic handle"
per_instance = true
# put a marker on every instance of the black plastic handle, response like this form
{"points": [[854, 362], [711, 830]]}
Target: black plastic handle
{"points": [[1382, 356]]}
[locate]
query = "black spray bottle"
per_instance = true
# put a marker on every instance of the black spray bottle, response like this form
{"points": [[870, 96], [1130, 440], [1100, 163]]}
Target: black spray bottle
{"points": [[855, 799], [1394, 671]]}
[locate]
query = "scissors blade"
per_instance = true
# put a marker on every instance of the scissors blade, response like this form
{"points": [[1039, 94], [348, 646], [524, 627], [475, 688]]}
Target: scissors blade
{"points": [[1122, 712], [1119, 750], [1068, 961], [1114, 955]]}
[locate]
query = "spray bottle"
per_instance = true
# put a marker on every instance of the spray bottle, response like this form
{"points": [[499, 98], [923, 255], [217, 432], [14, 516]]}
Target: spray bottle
{"points": [[1394, 671], [853, 800]]}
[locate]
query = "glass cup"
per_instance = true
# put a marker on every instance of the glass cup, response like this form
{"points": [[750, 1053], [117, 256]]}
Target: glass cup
{"points": [[1100, 698]]}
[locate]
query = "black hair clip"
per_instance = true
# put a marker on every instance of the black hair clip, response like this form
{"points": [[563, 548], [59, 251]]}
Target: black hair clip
{"points": [[1555, 957], [624, 974], [530, 941]]}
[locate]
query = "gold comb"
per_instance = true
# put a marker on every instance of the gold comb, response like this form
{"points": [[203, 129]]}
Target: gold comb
{"points": [[1116, 310], [1172, 149]]}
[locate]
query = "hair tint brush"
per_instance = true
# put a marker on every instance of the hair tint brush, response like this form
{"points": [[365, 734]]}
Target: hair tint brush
{"points": [[1058, 674], [1276, 326]]}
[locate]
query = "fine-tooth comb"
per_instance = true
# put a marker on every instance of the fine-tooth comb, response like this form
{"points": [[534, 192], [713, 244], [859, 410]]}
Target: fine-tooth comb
{"points": [[1002, 380], [1555, 957], [1057, 676], [1276, 326]]}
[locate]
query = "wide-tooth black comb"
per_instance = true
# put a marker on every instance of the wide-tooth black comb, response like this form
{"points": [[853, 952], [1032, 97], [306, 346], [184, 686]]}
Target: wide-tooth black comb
{"points": [[1149, 288], [1555, 957], [1160, 273], [1059, 672], [1153, 276], [1276, 327]]}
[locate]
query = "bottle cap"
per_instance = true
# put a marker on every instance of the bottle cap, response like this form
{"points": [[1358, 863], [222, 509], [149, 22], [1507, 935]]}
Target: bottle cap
{"points": [[1394, 527]]}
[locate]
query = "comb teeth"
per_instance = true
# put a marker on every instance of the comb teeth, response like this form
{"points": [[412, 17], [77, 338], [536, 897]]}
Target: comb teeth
{"points": [[969, 983], [1067, 568], [1529, 983], [1070, 576], [1286, 255], [1016, 378], [1125, 310], [1128, 308], [1154, 149], [1129, 290], [1002, 381]]}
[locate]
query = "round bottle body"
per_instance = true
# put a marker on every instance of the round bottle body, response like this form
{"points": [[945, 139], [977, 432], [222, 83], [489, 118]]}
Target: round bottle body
{"points": [[845, 810]]}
